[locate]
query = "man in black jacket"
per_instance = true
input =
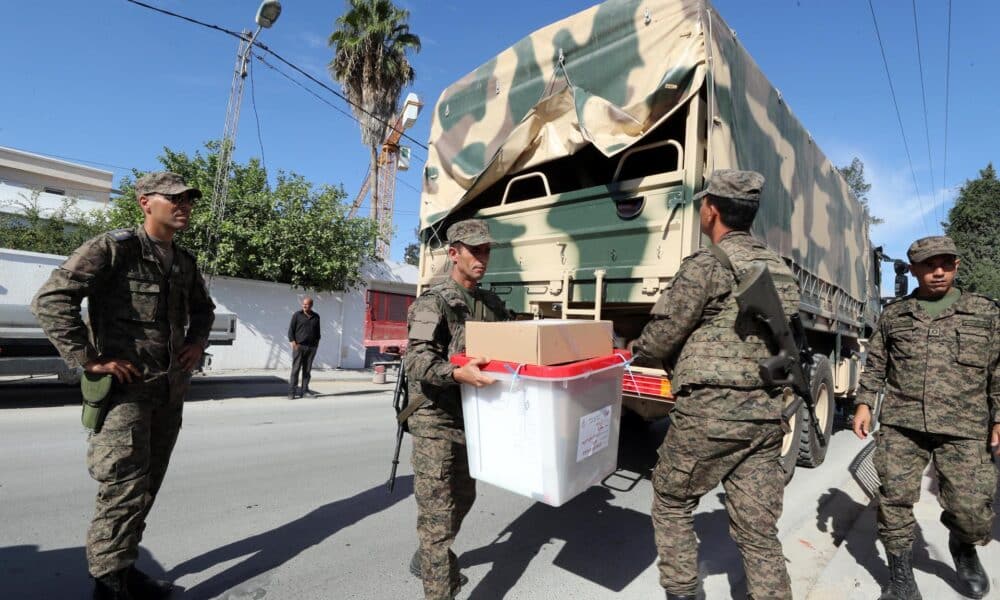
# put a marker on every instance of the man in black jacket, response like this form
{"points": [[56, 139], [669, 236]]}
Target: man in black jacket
{"points": [[304, 334]]}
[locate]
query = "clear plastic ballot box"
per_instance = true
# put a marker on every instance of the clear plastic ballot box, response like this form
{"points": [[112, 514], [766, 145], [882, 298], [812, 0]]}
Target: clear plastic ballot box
{"points": [[545, 432]]}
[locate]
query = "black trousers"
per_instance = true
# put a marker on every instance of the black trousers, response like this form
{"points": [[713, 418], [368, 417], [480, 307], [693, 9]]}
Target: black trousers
{"points": [[302, 360]]}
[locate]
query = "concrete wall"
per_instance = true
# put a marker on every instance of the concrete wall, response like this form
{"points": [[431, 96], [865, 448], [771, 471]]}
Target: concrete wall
{"points": [[265, 309]]}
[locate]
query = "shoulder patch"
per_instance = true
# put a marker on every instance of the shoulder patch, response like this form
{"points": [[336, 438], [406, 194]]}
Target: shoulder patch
{"points": [[120, 235]]}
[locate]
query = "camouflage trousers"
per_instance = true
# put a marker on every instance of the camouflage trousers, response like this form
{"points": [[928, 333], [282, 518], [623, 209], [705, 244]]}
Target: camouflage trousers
{"points": [[445, 493], [128, 458], [697, 454], [967, 483]]}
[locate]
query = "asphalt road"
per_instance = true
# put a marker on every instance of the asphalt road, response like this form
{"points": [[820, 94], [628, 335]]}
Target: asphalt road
{"points": [[271, 498]]}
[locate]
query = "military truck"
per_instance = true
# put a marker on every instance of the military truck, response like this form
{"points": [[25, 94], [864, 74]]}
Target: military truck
{"points": [[582, 146]]}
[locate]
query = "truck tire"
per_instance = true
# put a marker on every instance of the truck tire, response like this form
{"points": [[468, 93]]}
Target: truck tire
{"points": [[812, 451], [790, 446]]}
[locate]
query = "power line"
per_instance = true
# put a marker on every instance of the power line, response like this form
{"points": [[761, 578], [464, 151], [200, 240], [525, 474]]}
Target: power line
{"points": [[923, 97], [899, 118], [947, 90], [265, 48], [253, 102]]}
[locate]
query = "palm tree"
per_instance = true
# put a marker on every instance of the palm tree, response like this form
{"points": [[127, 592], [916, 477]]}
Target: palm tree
{"points": [[369, 44]]}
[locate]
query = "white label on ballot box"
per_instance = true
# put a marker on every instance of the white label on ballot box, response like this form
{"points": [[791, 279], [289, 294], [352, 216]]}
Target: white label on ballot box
{"points": [[595, 431]]}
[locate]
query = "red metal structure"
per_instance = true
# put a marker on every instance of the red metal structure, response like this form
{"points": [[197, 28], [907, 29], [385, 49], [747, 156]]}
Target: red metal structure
{"points": [[385, 321]]}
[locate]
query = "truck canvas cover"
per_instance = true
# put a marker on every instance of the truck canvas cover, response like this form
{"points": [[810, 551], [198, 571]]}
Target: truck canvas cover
{"points": [[606, 77]]}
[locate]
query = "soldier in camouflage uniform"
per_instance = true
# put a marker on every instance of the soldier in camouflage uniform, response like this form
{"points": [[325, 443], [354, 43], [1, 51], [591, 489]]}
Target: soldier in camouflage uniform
{"points": [[442, 485], [150, 316], [934, 353], [726, 425]]}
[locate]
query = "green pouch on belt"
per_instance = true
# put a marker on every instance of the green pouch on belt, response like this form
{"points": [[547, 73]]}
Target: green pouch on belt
{"points": [[95, 390]]}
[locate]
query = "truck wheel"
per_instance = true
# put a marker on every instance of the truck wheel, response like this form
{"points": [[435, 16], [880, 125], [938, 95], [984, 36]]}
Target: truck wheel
{"points": [[812, 451], [790, 446]]}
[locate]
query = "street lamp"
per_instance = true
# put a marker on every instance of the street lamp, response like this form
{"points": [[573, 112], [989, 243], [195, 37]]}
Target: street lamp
{"points": [[267, 14]]}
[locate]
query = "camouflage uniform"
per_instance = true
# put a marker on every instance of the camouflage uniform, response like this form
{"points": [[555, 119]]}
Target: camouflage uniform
{"points": [[942, 392], [137, 313], [443, 488], [725, 425]]}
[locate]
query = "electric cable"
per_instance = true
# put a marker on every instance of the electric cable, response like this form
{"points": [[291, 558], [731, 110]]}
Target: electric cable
{"points": [[253, 102], [923, 97], [899, 118]]}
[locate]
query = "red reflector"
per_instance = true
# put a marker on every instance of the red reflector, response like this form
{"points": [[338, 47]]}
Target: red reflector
{"points": [[646, 385]]}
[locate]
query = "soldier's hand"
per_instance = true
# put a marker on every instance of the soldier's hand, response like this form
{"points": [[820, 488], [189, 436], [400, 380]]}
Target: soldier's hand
{"points": [[190, 356], [123, 370], [862, 421], [995, 439], [471, 374]]}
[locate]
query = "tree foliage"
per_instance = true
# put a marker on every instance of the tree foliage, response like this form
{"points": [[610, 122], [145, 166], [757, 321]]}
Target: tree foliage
{"points": [[974, 224], [854, 174], [25, 225], [370, 45]]}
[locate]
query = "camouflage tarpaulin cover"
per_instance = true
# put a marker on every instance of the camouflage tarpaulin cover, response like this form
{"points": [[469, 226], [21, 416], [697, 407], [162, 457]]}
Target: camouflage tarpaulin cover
{"points": [[607, 77]]}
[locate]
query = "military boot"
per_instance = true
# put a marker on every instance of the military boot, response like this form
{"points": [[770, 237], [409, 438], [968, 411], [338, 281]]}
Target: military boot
{"points": [[415, 568], [144, 587], [112, 586], [972, 579], [679, 597], [902, 585]]}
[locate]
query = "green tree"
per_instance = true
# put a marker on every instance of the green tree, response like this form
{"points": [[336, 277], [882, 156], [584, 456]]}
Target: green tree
{"points": [[854, 174], [370, 45], [291, 233], [411, 255], [974, 224], [25, 225]]}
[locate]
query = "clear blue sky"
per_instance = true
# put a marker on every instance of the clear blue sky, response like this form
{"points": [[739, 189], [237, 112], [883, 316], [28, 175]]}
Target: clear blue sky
{"points": [[111, 82]]}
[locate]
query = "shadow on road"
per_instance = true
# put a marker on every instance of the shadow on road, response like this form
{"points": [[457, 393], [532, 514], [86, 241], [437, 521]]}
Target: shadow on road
{"points": [[27, 572], [835, 503], [265, 551], [611, 550]]}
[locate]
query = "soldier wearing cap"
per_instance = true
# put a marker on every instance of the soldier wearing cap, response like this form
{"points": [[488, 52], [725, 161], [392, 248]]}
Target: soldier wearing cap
{"points": [[934, 355], [726, 423], [150, 316], [442, 485]]}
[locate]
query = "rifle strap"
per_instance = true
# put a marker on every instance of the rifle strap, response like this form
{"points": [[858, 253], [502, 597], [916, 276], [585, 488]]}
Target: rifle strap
{"points": [[723, 258], [409, 410]]}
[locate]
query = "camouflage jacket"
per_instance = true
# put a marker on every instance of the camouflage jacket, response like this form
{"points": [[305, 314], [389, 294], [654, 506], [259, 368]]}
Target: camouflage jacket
{"points": [[698, 334], [940, 375], [437, 331], [136, 311]]}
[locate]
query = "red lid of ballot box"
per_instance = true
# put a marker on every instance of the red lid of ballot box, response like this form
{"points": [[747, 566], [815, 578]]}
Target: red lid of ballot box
{"points": [[564, 371]]}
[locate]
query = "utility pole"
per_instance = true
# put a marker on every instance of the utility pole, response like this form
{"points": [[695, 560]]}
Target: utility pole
{"points": [[267, 14]]}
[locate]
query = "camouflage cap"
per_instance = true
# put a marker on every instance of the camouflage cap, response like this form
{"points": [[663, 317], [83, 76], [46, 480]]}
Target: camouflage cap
{"points": [[163, 182], [927, 247], [730, 183], [471, 232]]}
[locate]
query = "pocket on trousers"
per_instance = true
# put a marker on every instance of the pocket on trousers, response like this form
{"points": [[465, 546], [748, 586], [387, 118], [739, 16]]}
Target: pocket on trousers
{"points": [[429, 458], [673, 474], [112, 456]]}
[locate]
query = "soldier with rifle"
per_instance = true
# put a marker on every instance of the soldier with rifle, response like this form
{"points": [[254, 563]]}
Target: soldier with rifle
{"points": [[934, 353], [726, 424], [443, 488]]}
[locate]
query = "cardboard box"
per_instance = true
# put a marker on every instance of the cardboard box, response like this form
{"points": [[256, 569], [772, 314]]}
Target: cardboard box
{"points": [[539, 342]]}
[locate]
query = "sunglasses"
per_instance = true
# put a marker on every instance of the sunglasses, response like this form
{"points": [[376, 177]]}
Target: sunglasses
{"points": [[178, 198]]}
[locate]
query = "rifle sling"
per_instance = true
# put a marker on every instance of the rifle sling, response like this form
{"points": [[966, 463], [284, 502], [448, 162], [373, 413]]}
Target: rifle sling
{"points": [[723, 258], [411, 408]]}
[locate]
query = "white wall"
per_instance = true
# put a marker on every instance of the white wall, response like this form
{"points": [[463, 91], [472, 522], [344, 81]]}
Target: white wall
{"points": [[264, 310]]}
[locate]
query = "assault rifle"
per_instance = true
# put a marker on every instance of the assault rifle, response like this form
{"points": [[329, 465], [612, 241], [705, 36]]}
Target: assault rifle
{"points": [[400, 400], [757, 298]]}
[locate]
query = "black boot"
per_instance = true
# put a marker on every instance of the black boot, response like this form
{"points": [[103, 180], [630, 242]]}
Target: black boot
{"points": [[677, 597], [902, 585], [144, 587], [972, 579], [112, 586]]}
